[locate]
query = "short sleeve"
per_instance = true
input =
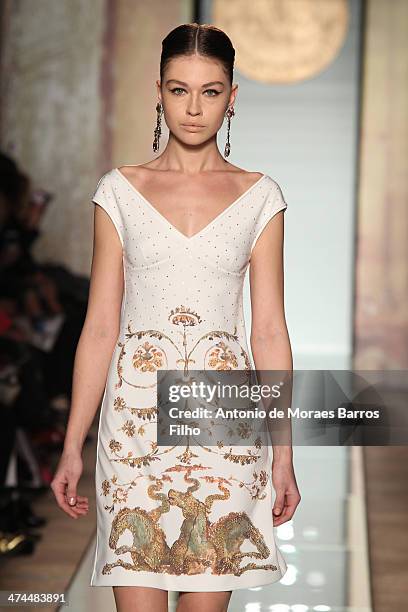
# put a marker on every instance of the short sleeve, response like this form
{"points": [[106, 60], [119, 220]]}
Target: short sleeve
{"points": [[274, 203], [104, 195]]}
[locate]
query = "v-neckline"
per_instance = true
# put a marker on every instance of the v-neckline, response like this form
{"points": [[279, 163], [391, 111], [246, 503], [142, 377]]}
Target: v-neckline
{"points": [[209, 224]]}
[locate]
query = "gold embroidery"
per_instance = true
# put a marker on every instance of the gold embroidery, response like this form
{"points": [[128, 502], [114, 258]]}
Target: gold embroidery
{"points": [[142, 413], [151, 358], [222, 358], [200, 544], [148, 358], [184, 316], [129, 429], [105, 487]]}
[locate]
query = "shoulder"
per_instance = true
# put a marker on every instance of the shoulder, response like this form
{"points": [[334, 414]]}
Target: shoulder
{"points": [[106, 177], [269, 186], [275, 199], [269, 181], [104, 186], [111, 180], [113, 173], [273, 185], [245, 177], [135, 170]]}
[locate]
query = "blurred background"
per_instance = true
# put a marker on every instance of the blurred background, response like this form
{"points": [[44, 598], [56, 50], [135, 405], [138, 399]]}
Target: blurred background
{"points": [[322, 108]]}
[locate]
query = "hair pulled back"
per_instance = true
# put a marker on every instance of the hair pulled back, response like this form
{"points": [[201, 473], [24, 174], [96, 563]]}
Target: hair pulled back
{"points": [[202, 39]]}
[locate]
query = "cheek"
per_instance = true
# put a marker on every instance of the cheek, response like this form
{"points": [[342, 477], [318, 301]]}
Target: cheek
{"points": [[172, 105], [217, 118], [217, 110]]}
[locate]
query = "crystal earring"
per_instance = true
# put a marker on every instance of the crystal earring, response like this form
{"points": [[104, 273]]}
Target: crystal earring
{"points": [[157, 129], [229, 113]]}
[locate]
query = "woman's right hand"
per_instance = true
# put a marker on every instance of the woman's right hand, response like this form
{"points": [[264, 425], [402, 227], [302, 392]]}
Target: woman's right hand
{"points": [[64, 485]]}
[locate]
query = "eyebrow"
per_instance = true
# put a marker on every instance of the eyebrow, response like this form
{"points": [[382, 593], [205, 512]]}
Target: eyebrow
{"points": [[186, 84]]}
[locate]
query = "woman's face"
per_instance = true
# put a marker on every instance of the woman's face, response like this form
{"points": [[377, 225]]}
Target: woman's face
{"points": [[195, 90]]}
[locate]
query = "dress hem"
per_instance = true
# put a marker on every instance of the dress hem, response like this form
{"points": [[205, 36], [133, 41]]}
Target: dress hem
{"points": [[147, 582]]}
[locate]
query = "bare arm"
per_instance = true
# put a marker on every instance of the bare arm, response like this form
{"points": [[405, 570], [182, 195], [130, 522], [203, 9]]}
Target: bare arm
{"points": [[271, 349], [93, 355]]}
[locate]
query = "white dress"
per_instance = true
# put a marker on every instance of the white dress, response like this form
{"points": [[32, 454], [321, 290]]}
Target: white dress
{"points": [[185, 518]]}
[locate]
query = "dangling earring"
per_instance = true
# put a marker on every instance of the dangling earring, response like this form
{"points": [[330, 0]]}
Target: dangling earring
{"points": [[157, 129], [229, 113]]}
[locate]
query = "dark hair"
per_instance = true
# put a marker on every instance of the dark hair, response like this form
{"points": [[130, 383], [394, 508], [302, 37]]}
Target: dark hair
{"points": [[13, 182], [203, 39]]}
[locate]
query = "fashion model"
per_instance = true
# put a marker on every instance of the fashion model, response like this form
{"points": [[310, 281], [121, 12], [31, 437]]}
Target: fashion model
{"points": [[173, 239]]}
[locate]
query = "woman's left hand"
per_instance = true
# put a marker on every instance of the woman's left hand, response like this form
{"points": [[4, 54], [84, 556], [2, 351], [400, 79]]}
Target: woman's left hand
{"points": [[287, 492]]}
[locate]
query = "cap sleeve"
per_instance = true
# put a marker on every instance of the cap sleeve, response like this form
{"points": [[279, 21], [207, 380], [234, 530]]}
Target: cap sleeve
{"points": [[104, 195], [274, 203]]}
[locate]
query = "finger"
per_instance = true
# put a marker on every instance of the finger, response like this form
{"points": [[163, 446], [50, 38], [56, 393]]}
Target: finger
{"points": [[80, 509], [71, 498], [81, 498], [279, 503], [66, 507], [82, 506], [71, 492], [80, 503], [282, 518], [59, 492], [286, 514]]}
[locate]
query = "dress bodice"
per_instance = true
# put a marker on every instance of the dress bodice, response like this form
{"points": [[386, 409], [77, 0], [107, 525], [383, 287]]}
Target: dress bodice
{"points": [[163, 269]]}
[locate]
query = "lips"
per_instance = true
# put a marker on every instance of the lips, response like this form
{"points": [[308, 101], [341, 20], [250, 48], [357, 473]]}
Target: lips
{"points": [[191, 125]]}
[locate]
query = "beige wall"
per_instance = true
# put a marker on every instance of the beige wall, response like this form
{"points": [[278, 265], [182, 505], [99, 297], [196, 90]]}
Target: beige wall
{"points": [[142, 26], [381, 323], [78, 84]]}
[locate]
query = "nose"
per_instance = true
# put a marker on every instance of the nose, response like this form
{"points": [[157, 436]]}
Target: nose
{"points": [[193, 106]]}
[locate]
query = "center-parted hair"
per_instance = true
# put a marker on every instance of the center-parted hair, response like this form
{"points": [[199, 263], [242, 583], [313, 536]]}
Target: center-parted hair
{"points": [[201, 39]]}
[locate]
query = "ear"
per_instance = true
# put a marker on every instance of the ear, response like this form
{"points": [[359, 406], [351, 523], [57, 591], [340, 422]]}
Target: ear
{"points": [[233, 94]]}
